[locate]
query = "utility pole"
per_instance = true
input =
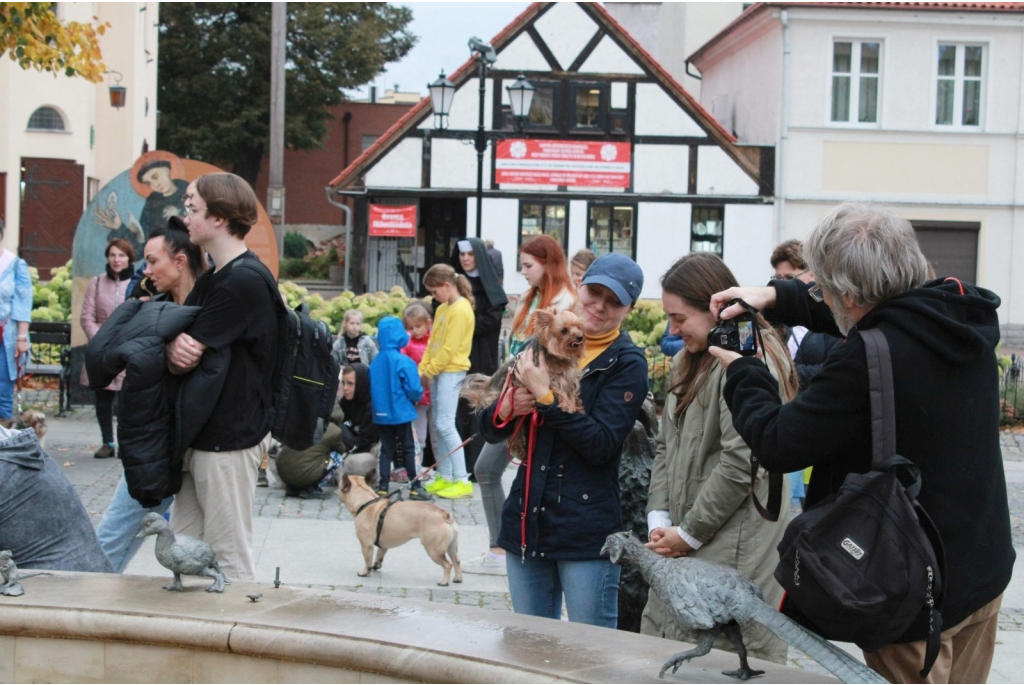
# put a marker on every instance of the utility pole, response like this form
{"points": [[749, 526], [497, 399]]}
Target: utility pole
{"points": [[275, 188]]}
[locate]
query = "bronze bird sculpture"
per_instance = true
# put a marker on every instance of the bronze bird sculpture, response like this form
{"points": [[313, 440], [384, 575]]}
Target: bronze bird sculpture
{"points": [[182, 554], [709, 599]]}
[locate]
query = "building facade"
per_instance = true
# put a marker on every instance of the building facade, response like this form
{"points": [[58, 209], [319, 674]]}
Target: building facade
{"points": [[60, 138], [616, 156], [916, 105], [355, 127]]}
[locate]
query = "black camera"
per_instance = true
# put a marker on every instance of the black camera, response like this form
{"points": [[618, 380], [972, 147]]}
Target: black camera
{"points": [[736, 334]]}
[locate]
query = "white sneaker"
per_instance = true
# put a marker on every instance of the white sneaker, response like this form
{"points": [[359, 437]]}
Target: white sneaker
{"points": [[485, 565]]}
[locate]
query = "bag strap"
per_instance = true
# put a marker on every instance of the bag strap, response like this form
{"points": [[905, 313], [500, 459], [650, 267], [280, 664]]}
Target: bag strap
{"points": [[883, 404], [771, 512]]}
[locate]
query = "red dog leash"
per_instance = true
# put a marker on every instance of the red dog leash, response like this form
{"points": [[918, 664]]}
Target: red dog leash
{"points": [[535, 421]]}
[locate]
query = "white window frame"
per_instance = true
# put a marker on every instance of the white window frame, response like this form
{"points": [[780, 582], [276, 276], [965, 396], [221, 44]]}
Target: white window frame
{"points": [[958, 88], [855, 77]]}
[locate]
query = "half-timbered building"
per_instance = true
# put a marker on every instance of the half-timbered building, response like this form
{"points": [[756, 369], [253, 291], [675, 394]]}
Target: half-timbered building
{"points": [[616, 156]]}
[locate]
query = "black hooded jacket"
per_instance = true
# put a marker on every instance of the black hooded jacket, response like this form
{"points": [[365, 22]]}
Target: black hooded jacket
{"points": [[359, 432], [490, 299], [942, 339], [159, 414]]}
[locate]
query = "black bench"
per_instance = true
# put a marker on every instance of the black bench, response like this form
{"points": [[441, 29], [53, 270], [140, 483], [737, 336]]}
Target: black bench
{"points": [[50, 355]]}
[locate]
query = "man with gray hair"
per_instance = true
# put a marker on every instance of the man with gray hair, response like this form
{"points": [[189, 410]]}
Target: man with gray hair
{"points": [[942, 334]]}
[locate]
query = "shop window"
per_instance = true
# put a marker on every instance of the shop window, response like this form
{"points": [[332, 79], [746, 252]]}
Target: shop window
{"points": [[543, 108], [589, 102], [612, 228], [46, 119], [706, 229], [544, 218]]}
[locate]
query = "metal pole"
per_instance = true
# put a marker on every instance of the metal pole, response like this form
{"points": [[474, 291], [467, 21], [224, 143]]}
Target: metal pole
{"points": [[481, 142], [348, 233], [275, 188]]}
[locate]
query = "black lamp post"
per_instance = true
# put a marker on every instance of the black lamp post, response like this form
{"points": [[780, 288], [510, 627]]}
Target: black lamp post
{"points": [[442, 93]]}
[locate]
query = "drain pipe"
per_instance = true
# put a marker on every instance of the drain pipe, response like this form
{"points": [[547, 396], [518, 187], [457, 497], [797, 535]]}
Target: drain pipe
{"points": [[780, 178], [348, 232]]}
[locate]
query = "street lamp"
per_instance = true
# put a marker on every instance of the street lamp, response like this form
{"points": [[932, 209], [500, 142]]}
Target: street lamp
{"points": [[442, 92], [520, 95]]}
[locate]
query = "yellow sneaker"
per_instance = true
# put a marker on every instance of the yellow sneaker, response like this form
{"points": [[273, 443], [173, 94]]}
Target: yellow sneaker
{"points": [[458, 489], [438, 483]]}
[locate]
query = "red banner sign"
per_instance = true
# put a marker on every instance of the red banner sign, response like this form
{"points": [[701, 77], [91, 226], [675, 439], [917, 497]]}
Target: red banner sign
{"points": [[594, 164], [387, 221]]}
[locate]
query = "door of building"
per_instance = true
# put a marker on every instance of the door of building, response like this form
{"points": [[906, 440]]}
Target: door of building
{"points": [[52, 200], [392, 261], [951, 247], [442, 224]]}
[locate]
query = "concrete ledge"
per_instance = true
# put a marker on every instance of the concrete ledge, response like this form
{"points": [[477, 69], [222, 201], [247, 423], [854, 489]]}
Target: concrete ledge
{"points": [[128, 629]]}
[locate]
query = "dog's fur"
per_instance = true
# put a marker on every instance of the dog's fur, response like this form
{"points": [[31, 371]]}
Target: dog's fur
{"points": [[560, 341], [405, 520], [36, 420]]}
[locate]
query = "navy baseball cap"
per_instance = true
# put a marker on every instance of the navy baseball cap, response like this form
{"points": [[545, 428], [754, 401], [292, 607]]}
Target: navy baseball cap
{"points": [[618, 273]]}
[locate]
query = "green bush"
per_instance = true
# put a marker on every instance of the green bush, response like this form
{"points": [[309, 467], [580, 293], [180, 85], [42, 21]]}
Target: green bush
{"points": [[295, 245], [292, 267], [51, 301]]}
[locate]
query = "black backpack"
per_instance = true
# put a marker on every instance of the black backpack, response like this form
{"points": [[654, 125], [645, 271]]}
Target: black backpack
{"points": [[863, 564], [306, 374]]}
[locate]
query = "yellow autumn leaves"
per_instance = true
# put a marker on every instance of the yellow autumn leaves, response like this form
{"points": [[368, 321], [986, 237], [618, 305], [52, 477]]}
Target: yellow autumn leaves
{"points": [[34, 38]]}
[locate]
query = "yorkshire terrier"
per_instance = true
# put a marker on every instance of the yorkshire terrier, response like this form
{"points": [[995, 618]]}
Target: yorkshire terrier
{"points": [[559, 336]]}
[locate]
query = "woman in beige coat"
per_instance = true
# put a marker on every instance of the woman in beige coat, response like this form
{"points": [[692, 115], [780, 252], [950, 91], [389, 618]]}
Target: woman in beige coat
{"points": [[102, 296], [699, 503]]}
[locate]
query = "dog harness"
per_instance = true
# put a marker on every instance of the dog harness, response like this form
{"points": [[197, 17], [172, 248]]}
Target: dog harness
{"points": [[383, 512]]}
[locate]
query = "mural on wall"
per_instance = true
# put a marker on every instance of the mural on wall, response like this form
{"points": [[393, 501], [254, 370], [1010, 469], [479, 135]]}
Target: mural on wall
{"points": [[134, 203]]}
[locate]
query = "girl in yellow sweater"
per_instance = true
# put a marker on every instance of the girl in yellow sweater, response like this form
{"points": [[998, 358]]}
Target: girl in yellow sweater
{"points": [[443, 366]]}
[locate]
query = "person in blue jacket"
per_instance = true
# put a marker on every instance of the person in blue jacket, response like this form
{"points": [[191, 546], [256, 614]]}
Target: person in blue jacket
{"points": [[554, 523], [395, 389], [15, 315]]}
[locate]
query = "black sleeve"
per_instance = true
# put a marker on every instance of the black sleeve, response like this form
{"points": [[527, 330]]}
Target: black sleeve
{"points": [[829, 422], [487, 319], [794, 307]]}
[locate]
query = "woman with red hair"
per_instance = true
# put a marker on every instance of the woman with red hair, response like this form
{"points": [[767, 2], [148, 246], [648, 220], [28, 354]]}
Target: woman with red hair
{"points": [[542, 263]]}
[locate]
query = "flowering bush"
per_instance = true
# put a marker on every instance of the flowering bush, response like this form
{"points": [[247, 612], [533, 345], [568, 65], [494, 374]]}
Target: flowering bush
{"points": [[52, 301], [373, 306]]}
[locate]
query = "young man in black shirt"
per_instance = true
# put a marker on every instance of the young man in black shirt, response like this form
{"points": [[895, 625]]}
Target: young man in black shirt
{"points": [[238, 313]]}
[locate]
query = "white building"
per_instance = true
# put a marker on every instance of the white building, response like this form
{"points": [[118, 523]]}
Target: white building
{"points": [[60, 138], [917, 105], [617, 156], [672, 31]]}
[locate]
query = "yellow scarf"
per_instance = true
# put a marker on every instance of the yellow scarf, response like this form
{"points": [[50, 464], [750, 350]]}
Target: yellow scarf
{"points": [[596, 345]]}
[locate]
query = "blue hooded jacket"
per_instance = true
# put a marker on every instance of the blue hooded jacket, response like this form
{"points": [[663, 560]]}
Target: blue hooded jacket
{"points": [[394, 379]]}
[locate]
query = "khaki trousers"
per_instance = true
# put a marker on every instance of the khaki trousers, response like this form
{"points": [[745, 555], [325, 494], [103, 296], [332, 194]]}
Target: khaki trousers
{"points": [[965, 655], [218, 490]]}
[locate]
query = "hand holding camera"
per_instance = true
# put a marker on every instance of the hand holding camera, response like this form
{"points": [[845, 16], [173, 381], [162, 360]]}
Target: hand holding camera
{"points": [[738, 334]]}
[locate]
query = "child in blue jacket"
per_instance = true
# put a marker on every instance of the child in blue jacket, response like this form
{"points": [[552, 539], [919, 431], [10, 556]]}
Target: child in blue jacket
{"points": [[394, 391]]}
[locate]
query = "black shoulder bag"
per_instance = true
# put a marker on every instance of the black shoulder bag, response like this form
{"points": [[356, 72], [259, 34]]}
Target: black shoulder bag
{"points": [[863, 564]]}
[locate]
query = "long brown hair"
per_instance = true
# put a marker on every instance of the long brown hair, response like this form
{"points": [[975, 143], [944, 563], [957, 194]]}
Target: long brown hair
{"points": [[439, 274], [548, 252], [694, 279]]}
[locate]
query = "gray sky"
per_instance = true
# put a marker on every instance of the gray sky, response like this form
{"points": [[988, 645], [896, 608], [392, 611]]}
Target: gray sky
{"points": [[443, 29]]}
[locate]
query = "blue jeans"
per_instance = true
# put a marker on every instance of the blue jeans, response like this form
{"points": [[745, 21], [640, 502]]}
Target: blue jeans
{"points": [[120, 524], [6, 385], [591, 589], [444, 400]]}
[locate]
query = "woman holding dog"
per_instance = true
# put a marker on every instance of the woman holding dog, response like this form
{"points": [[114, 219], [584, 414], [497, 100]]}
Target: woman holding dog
{"points": [[699, 503], [565, 498], [542, 264]]}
